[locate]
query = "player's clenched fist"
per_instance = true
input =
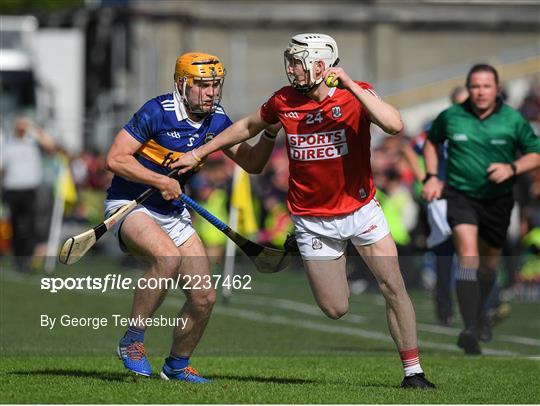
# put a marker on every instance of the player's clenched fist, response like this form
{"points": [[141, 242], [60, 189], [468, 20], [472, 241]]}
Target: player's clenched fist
{"points": [[333, 75], [432, 189], [170, 188], [499, 172]]}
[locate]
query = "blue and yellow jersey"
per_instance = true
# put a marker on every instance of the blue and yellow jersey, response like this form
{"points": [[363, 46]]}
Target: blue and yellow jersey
{"points": [[165, 131]]}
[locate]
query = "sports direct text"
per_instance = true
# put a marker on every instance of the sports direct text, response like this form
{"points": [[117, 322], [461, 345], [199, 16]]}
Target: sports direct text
{"points": [[317, 146], [118, 282]]}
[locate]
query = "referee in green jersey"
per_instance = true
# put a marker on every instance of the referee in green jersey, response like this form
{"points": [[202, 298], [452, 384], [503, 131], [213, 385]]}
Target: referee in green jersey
{"points": [[484, 135]]}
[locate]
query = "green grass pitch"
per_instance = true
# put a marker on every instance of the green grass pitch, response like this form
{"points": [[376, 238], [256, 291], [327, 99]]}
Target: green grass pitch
{"points": [[268, 345]]}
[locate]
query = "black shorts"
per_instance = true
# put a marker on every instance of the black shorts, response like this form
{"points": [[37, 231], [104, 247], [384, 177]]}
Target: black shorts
{"points": [[492, 216]]}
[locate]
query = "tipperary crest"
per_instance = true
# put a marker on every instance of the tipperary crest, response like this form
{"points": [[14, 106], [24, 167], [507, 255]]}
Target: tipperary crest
{"points": [[316, 244], [209, 136], [336, 111]]}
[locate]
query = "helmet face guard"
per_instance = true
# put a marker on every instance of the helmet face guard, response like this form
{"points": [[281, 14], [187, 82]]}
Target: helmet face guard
{"points": [[196, 72], [306, 49], [292, 59], [196, 103]]}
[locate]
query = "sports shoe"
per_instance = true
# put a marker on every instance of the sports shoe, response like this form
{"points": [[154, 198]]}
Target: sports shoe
{"points": [[417, 381], [187, 374], [468, 341], [133, 356]]}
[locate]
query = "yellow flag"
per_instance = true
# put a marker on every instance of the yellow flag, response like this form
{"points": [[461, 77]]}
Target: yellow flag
{"points": [[242, 201], [66, 185]]}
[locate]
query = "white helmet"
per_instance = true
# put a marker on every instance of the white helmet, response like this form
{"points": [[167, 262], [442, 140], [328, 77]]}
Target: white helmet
{"points": [[309, 48]]}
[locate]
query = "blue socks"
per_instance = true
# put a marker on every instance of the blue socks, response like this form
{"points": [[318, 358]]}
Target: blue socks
{"points": [[133, 334], [175, 362]]}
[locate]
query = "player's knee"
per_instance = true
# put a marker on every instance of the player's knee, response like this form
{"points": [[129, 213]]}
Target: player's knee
{"points": [[168, 266], [336, 312], [203, 300]]}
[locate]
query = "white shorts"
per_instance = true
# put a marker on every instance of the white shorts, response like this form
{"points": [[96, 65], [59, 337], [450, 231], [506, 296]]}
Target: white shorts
{"points": [[324, 238], [177, 226]]}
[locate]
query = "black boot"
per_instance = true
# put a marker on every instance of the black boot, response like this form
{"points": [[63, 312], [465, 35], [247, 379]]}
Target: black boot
{"points": [[417, 381]]}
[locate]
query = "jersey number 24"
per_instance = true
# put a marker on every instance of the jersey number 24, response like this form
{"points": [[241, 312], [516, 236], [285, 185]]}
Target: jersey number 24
{"points": [[312, 119]]}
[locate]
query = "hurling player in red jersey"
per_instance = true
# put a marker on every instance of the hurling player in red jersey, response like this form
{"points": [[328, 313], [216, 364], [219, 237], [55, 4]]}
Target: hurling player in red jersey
{"points": [[331, 192]]}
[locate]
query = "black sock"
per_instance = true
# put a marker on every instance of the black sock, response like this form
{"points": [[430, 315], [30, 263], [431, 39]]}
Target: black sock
{"points": [[468, 295]]}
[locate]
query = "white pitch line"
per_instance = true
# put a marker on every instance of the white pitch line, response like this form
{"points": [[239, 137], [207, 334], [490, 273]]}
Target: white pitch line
{"points": [[351, 331], [291, 305], [518, 339], [305, 308], [450, 331], [316, 326]]}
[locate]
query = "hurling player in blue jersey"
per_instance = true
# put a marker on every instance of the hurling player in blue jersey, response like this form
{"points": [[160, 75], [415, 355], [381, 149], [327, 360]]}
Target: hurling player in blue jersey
{"points": [[160, 229]]}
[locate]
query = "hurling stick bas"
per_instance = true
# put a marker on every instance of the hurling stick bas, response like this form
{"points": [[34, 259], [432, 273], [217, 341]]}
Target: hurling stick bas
{"points": [[266, 259], [75, 247]]}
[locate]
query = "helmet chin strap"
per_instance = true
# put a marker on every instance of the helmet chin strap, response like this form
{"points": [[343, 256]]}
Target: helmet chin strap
{"points": [[179, 96], [176, 93], [308, 88]]}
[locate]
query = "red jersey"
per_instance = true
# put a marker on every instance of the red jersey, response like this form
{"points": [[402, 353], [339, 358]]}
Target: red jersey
{"points": [[328, 145]]}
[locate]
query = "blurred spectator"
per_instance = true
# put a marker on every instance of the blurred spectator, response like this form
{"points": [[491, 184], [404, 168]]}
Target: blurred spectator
{"points": [[401, 212], [89, 170], [91, 179], [21, 168], [274, 184], [212, 190], [530, 107], [532, 211], [526, 280], [398, 205], [459, 95], [444, 252]]}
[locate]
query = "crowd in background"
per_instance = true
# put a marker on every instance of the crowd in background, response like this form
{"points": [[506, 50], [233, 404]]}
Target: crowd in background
{"points": [[398, 193]]}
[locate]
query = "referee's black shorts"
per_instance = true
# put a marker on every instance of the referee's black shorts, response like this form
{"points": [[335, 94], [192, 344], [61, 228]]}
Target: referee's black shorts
{"points": [[492, 216]]}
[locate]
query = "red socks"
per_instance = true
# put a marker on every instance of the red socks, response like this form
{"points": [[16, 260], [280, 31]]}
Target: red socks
{"points": [[411, 361]]}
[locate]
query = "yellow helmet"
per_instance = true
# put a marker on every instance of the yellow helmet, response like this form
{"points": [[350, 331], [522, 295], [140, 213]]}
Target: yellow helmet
{"points": [[198, 65]]}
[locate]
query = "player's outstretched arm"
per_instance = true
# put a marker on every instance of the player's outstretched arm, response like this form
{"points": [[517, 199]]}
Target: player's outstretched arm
{"points": [[240, 131], [253, 157]]}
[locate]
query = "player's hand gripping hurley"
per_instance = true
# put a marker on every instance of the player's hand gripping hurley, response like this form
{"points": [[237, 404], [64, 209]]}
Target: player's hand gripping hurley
{"points": [[267, 260]]}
